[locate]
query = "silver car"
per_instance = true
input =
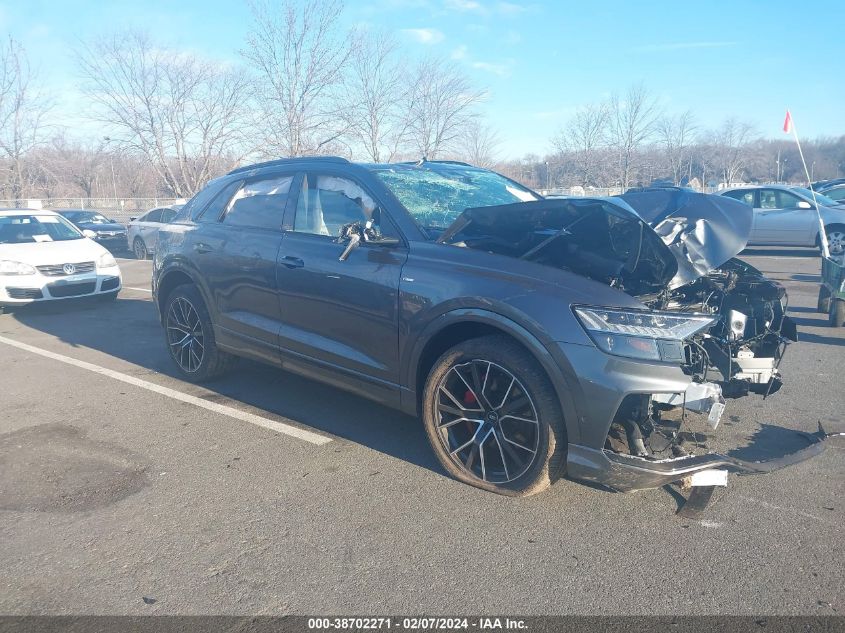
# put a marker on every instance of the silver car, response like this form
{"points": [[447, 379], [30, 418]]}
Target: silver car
{"points": [[786, 216], [142, 231]]}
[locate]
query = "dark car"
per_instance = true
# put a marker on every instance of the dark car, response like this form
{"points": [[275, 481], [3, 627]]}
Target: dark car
{"points": [[834, 192], [109, 233], [533, 337]]}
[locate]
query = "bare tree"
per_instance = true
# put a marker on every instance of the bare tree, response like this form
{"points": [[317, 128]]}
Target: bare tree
{"points": [[584, 139], [632, 119], [184, 114], [77, 164], [676, 135], [22, 112], [730, 149], [439, 105], [478, 144], [299, 59], [373, 91]]}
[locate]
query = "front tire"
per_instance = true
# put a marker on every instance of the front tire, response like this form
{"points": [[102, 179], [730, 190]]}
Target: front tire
{"points": [[139, 248], [835, 239], [493, 418], [189, 335]]}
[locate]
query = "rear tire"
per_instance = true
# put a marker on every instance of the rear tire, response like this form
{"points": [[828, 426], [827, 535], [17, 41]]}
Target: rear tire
{"points": [[510, 437], [139, 249], [837, 312], [189, 335], [824, 300]]}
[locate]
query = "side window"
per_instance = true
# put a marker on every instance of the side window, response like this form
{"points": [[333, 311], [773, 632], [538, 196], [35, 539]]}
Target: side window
{"points": [[214, 209], [327, 203], [787, 200], [167, 215], [152, 216], [768, 200], [195, 205], [259, 203], [743, 196], [836, 194]]}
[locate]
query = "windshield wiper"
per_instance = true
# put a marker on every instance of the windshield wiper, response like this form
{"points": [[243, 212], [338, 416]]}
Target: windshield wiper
{"points": [[563, 231]]}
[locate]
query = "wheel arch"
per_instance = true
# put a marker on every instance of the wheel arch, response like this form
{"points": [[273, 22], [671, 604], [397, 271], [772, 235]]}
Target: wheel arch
{"points": [[170, 279], [827, 227], [461, 325]]}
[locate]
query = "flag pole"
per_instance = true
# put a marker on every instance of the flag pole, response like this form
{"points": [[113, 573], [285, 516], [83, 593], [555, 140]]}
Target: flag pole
{"points": [[790, 124]]}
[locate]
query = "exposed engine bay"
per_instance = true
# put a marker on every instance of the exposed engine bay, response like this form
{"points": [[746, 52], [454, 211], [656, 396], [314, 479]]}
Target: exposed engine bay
{"points": [[674, 250]]}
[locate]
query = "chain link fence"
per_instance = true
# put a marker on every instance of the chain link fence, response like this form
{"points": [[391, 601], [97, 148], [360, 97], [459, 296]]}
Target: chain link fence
{"points": [[118, 209]]}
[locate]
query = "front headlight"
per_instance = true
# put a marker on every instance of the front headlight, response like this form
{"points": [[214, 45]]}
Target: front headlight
{"points": [[8, 267], [106, 261], [641, 334]]}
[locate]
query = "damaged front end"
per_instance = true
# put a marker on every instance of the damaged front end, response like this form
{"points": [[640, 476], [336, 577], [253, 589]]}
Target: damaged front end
{"points": [[743, 350], [716, 322]]}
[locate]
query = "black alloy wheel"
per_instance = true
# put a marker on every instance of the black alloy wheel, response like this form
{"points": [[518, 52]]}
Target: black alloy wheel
{"points": [[493, 418], [190, 336]]}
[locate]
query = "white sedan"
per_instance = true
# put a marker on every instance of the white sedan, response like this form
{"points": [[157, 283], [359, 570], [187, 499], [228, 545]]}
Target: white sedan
{"points": [[44, 257]]}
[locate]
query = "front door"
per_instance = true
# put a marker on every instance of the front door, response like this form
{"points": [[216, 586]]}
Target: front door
{"points": [[778, 219], [340, 318]]}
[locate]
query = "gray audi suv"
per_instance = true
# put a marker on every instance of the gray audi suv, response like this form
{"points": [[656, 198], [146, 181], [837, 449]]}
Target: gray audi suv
{"points": [[593, 337]]}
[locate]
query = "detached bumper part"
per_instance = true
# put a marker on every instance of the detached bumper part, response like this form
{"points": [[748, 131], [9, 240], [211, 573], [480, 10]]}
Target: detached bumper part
{"points": [[702, 397], [627, 473]]}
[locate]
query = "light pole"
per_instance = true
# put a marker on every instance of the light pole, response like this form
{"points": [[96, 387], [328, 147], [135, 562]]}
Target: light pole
{"points": [[108, 139], [548, 177], [812, 171]]}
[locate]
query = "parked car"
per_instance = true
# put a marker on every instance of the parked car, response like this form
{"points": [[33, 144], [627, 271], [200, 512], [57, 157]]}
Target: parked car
{"points": [[109, 233], [44, 257], [142, 231], [834, 192], [819, 185], [786, 216], [531, 336]]}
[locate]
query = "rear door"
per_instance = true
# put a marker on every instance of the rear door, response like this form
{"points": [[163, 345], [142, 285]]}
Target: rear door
{"points": [[748, 197], [779, 220], [148, 225], [340, 316], [235, 245]]}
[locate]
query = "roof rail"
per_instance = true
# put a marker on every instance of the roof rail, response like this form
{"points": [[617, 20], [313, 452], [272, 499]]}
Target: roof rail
{"points": [[442, 162], [289, 161]]}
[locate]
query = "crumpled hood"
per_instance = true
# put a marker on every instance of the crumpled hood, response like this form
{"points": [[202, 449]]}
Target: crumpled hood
{"points": [[599, 239], [702, 231]]}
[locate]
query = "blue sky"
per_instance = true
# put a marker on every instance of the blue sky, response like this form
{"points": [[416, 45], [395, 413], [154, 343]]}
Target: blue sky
{"points": [[538, 60]]}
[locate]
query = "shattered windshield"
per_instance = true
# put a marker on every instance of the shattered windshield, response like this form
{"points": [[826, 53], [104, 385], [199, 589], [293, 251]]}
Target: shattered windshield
{"points": [[436, 195]]}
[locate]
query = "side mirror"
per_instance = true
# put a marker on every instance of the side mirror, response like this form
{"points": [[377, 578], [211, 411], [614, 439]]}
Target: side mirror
{"points": [[384, 240], [803, 204], [132, 218], [89, 234]]}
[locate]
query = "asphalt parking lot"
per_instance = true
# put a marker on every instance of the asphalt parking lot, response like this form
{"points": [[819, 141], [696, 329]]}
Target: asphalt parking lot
{"points": [[119, 497]]}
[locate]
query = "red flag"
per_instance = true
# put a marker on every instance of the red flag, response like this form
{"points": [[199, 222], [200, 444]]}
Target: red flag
{"points": [[787, 123]]}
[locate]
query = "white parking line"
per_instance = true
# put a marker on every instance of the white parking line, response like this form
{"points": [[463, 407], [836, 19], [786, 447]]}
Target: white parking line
{"points": [[138, 289], [257, 420]]}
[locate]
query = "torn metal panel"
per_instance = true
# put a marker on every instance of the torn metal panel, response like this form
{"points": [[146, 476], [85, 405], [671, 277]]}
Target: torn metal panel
{"points": [[702, 231]]}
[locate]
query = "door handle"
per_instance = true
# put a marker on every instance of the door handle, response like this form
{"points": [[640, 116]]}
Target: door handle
{"points": [[202, 248], [289, 261]]}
